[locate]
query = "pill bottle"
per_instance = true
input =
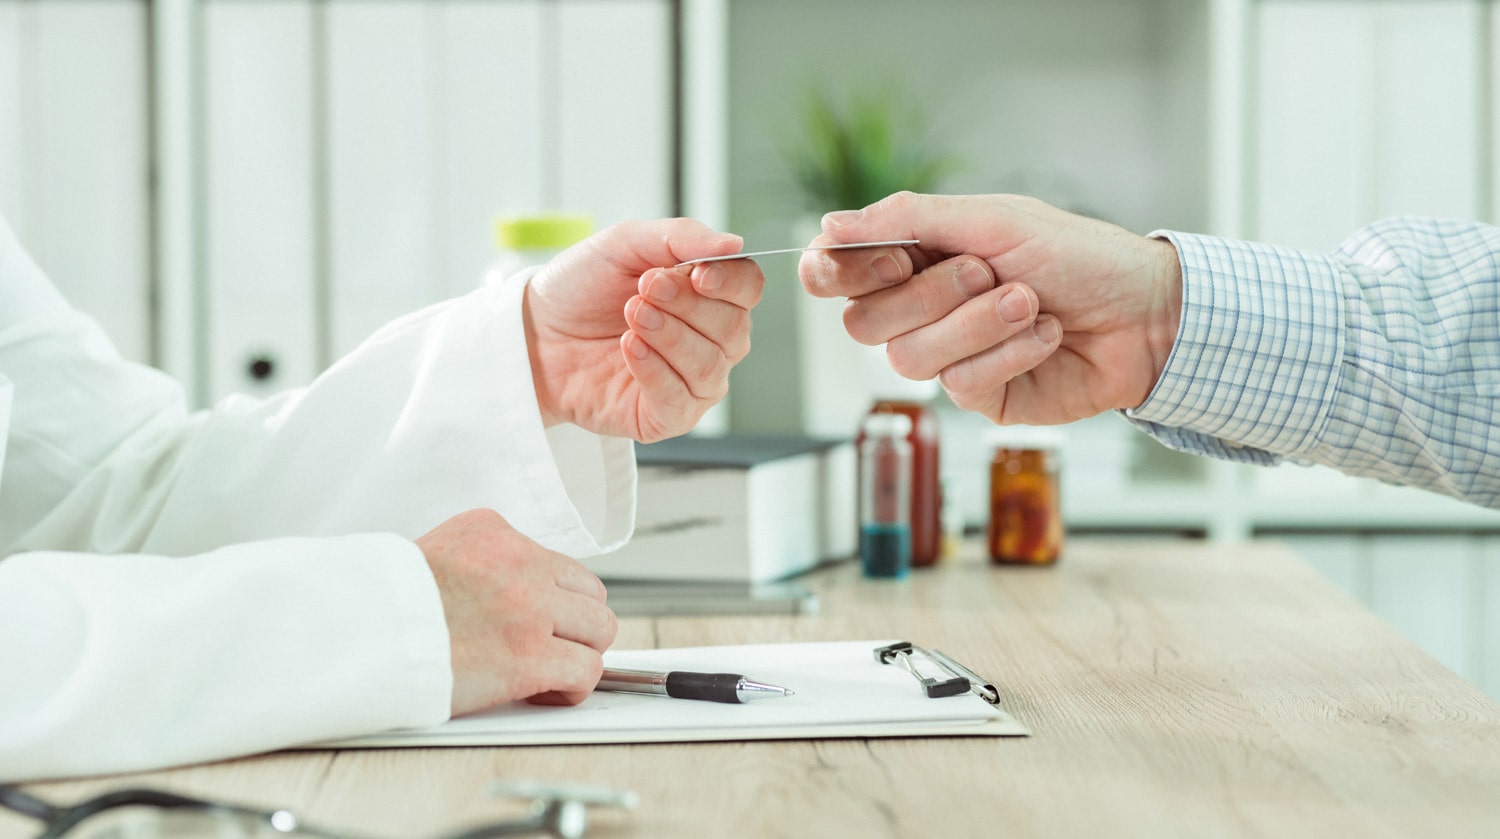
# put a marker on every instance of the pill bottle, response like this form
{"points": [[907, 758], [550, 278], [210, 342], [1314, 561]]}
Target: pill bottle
{"points": [[885, 496], [1026, 523], [530, 240]]}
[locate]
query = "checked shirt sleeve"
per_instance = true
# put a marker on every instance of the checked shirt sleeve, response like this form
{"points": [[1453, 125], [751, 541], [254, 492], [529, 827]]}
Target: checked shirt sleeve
{"points": [[1380, 360]]}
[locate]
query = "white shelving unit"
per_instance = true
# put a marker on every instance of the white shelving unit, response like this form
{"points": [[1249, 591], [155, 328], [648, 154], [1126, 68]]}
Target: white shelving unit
{"points": [[281, 177]]}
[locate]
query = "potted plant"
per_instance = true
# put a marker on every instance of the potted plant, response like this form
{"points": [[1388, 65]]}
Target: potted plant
{"points": [[853, 153]]}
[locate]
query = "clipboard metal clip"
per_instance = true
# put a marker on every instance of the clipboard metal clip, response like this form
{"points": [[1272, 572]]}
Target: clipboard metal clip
{"points": [[953, 678]]}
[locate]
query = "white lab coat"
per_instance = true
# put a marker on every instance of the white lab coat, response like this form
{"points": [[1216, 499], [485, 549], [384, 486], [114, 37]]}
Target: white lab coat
{"points": [[179, 587]]}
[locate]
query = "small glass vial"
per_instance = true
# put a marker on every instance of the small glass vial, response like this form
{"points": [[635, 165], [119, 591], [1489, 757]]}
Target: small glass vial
{"points": [[926, 487], [1026, 524], [885, 496]]}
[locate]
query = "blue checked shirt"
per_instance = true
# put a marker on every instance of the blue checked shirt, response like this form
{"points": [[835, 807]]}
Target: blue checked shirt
{"points": [[1381, 359]]}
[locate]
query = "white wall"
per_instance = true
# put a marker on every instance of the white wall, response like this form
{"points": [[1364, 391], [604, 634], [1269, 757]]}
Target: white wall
{"points": [[74, 154], [327, 166], [1367, 110]]}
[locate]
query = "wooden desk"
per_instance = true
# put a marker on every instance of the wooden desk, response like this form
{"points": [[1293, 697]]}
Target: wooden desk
{"points": [[1174, 689]]}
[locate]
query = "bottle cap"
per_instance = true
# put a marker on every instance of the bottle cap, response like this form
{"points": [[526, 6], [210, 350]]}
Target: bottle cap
{"points": [[542, 232], [885, 424], [1023, 437]]}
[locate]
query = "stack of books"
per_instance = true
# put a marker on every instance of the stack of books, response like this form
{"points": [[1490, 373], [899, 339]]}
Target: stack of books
{"points": [[737, 510]]}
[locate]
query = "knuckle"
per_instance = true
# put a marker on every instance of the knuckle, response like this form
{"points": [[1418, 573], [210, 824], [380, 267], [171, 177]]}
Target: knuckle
{"points": [[599, 591], [610, 627], [753, 289], [739, 349], [709, 391], [653, 431], [960, 381], [709, 372], [906, 361], [523, 637], [859, 323], [589, 671], [898, 201], [735, 343], [930, 301], [515, 601], [977, 327], [479, 516]]}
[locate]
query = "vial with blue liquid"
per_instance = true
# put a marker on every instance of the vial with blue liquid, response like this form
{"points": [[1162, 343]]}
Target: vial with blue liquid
{"points": [[885, 496]]}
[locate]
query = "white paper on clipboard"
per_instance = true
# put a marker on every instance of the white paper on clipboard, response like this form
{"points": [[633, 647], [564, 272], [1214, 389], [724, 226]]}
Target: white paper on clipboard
{"points": [[842, 690]]}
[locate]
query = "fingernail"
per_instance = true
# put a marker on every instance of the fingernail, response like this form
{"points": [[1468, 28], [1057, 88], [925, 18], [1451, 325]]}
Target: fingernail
{"points": [[638, 348], [972, 279], [842, 218], [1014, 306], [887, 270], [710, 277], [648, 317], [1047, 330], [662, 288]]}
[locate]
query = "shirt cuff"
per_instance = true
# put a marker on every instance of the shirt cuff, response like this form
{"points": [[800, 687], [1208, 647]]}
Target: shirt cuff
{"points": [[1255, 364], [581, 485]]}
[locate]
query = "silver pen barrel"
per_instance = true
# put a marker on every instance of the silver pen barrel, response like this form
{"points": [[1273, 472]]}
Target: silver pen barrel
{"points": [[633, 681]]}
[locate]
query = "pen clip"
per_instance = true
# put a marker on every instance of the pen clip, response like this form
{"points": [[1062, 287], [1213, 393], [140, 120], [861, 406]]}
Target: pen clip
{"points": [[959, 679]]}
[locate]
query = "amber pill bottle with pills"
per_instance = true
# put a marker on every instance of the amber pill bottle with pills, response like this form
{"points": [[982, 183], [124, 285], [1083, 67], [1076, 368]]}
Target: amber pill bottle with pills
{"points": [[1025, 504]]}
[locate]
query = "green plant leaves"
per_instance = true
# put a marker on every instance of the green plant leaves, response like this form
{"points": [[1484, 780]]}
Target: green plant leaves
{"points": [[857, 153]]}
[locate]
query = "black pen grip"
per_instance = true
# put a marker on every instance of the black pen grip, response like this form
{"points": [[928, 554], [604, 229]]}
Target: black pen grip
{"points": [[714, 687]]}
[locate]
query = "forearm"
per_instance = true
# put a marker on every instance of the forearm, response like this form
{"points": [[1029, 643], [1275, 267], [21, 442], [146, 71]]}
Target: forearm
{"points": [[433, 415], [1379, 360], [1417, 397]]}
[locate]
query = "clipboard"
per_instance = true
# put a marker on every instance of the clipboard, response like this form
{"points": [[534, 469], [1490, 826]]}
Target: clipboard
{"points": [[842, 690]]}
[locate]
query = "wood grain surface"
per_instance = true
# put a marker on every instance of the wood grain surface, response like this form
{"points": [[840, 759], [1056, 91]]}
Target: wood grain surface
{"points": [[1173, 688]]}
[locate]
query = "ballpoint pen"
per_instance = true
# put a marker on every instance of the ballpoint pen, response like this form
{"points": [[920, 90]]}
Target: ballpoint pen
{"points": [[713, 687]]}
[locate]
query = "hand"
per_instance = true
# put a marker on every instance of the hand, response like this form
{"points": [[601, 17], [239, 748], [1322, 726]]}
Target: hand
{"points": [[1081, 320], [523, 622], [624, 344]]}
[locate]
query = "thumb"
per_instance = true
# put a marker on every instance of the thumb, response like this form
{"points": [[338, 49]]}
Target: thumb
{"points": [[663, 243], [981, 225]]}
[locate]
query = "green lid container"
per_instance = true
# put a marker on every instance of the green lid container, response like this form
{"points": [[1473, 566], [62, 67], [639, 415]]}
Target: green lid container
{"points": [[542, 232]]}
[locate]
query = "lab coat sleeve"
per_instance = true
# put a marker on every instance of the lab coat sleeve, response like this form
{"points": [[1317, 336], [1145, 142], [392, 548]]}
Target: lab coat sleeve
{"points": [[122, 663], [433, 415], [181, 586]]}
